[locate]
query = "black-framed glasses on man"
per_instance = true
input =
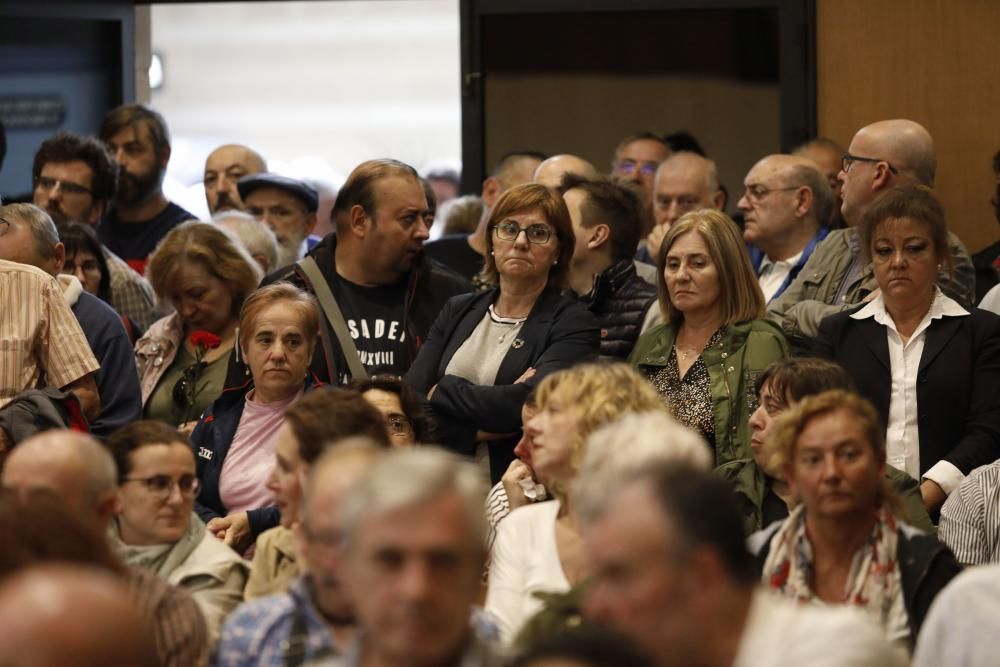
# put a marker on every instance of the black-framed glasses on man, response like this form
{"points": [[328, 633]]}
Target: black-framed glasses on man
{"points": [[846, 160], [399, 425], [49, 184], [754, 193], [163, 485]]}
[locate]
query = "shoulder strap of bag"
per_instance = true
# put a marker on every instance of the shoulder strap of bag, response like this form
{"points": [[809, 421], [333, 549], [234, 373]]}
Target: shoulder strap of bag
{"points": [[333, 315]]}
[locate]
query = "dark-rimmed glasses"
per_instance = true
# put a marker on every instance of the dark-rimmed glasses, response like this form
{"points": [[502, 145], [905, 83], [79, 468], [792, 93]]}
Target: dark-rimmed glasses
{"points": [[49, 184], [755, 193], [846, 160], [538, 234], [163, 485]]}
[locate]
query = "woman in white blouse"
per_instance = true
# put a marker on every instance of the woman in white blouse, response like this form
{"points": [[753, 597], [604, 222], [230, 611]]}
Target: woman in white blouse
{"points": [[930, 367], [538, 547]]}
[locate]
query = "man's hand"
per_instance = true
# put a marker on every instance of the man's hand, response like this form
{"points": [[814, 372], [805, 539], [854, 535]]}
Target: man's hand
{"points": [[85, 390]]}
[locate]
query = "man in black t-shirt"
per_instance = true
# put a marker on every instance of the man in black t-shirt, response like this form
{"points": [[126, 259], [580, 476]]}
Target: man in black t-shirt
{"points": [[141, 214], [388, 291]]}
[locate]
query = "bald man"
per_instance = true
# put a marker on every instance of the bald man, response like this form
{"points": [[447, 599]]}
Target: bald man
{"points": [[784, 202], [54, 615], [463, 253], [224, 167], [826, 154], [882, 155], [82, 472], [550, 172], [684, 182]]}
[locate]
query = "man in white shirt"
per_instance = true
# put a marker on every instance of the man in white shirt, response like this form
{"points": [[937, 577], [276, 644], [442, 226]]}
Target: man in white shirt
{"points": [[671, 571], [784, 203]]}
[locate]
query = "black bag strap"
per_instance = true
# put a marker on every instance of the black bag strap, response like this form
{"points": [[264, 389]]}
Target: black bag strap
{"points": [[334, 316]]}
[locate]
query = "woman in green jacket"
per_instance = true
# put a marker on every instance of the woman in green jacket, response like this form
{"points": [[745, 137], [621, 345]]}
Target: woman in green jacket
{"points": [[705, 358]]}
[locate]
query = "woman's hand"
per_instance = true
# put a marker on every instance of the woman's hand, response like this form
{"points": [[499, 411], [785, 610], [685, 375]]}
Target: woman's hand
{"points": [[511, 479], [525, 376], [655, 239], [233, 529], [932, 495], [430, 394]]}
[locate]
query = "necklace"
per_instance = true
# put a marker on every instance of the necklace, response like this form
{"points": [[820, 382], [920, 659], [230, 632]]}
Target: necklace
{"points": [[512, 323]]}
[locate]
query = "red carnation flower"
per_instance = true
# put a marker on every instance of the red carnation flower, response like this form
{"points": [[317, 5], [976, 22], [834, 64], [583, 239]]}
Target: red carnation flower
{"points": [[206, 340]]}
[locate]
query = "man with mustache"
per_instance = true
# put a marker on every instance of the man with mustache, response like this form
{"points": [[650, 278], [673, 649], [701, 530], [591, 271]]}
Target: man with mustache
{"points": [[224, 167], [286, 205], [141, 214], [74, 180]]}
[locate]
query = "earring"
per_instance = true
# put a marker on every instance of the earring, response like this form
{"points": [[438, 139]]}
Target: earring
{"points": [[555, 262], [492, 253]]}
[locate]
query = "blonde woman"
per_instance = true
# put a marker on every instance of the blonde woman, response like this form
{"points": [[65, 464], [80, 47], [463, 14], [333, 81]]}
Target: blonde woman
{"points": [[538, 547]]}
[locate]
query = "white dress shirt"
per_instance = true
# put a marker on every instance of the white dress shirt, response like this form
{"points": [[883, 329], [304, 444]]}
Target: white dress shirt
{"points": [[902, 436], [771, 275]]}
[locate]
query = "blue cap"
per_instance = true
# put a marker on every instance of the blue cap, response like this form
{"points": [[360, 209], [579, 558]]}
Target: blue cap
{"points": [[303, 191]]}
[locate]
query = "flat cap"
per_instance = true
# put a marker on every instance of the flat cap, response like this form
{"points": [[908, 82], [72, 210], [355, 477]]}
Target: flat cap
{"points": [[303, 191]]}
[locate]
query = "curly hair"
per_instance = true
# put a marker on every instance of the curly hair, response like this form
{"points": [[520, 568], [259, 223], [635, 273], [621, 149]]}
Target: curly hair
{"points": [[599, 393]]}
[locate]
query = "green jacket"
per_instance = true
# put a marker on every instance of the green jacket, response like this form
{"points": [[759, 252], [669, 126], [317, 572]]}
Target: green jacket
{"points": [[733, 365]]}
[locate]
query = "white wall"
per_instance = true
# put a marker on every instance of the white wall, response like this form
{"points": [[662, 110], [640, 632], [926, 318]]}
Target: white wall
{"points": [[317, 87]]}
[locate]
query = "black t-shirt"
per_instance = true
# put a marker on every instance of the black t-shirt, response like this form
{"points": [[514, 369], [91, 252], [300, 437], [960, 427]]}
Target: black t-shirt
{"points": [[455, 252], [375, 321], [135, 241]]}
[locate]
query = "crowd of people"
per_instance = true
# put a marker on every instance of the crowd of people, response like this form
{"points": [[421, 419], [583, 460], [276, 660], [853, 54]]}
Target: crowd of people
{"points": [[765, 438]]}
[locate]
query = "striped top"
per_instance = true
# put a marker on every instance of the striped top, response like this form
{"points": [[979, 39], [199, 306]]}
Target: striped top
{"points": [[970, 518], [41, 343]]}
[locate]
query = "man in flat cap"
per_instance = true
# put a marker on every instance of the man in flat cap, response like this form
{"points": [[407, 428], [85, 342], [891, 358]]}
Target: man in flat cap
{"points": [[287, 206]]}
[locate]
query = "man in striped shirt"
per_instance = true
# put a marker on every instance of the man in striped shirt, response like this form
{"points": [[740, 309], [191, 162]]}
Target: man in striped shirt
{"points": [[970, 518]]}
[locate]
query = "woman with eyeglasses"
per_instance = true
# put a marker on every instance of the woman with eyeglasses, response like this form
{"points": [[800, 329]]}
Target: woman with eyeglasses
{"points": [[156, 528], [405, 418], [705, 357], [203, 275], [236, 439], [930, 366], [487, 350]]}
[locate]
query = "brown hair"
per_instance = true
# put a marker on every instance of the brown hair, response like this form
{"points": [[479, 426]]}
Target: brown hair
{"points": [[739, 290], [799, 377], [422, 423], [303, 303], [140, 434], [64, 147], [359, 189], [217, 252], [611, 204], [132, 114], [326, 415], [913, 202], [532, 197]]}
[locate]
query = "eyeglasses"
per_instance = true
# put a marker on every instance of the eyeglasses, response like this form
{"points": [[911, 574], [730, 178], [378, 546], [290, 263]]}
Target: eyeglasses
{"points": [[399, 425], [87, 266], [629, 167], [49, 184], [537, 234], [183, 385], [847, 159], [163, 485], [755, 193]]}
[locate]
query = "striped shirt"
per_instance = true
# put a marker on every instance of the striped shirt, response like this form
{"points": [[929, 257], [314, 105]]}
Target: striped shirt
{"points": [[41, 343], [970, 518]]}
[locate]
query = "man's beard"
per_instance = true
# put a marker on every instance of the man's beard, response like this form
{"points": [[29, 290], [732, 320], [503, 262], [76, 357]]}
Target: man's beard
{"points": [[136, 188], [289, 252]]}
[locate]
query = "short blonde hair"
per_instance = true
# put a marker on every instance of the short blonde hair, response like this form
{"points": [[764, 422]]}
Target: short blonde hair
{"points": [[780, 447], [739, 290], [214, 249], [599, 393]]}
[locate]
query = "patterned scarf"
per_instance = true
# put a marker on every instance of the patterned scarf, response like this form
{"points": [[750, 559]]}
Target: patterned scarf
{"points": [[873, 582]]}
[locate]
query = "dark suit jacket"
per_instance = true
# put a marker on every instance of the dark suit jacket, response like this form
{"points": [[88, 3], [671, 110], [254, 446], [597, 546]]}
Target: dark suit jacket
{"points": [[558, 333], [958, 381]]}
